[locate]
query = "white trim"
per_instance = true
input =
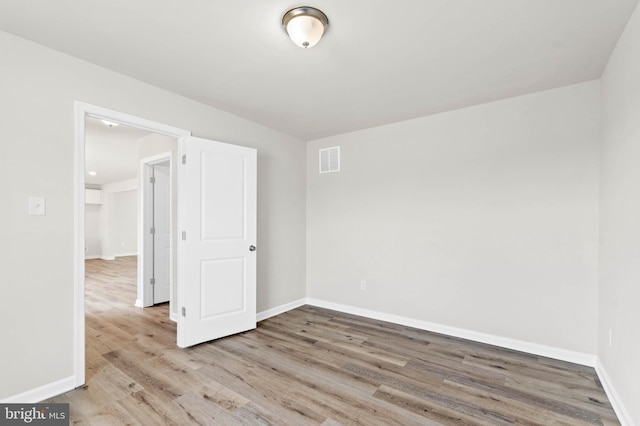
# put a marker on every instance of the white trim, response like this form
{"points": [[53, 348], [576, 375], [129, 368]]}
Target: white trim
{"points": [[504, 342], [518, 345], [98, 256], [43, 392], [133, 253], [616, 402], [81, 111], [145, 219], [138, 304], [95, 111], [261, 316], [157, 158], [180, 214]]}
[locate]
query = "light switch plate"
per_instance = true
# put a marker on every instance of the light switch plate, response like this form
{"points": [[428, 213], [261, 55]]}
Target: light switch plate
{"points": [[37, 206]]}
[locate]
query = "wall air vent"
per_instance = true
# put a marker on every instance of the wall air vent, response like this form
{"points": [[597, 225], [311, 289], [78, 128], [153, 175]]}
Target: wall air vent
{"points": [[330, 160]]}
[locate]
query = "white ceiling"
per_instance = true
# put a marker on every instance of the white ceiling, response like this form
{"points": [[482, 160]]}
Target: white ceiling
{"points": [[381, 61], [112, 152]]}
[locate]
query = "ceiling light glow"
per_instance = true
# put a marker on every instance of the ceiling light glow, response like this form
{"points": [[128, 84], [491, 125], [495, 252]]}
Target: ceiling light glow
{"points": [[110, 123]]}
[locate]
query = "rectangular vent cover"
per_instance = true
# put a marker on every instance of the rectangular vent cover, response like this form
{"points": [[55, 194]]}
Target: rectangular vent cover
{"points": [[330, 160]]}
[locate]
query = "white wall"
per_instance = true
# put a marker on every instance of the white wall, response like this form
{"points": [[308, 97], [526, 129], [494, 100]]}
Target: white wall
{"points": [[40, 85], [620, 219], [117, 234], [111, 227], [93, 248], [484, 219], [154, 144], [123, 222]]}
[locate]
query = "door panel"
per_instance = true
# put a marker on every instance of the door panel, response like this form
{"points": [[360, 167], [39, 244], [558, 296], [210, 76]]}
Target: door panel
{"points": [[218, 216], [223, 195], [162, 236], [223, 284]]}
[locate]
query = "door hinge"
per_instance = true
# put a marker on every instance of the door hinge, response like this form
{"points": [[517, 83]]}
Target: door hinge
{"points": [[153, 231], [152, 179], [184, 235], [184, 159], [153, 281], [184, 311]]}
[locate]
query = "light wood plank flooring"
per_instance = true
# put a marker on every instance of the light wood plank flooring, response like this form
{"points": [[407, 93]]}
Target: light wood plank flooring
{"points": [[310, 366]]}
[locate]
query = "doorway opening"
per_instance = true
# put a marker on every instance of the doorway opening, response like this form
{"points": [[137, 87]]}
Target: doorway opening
{"points": [[119, 193], [216, 205], [129, 209], [158, 230]]}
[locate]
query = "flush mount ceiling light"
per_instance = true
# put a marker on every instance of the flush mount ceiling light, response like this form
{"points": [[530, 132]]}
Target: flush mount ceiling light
{"points": [[305, 25]]}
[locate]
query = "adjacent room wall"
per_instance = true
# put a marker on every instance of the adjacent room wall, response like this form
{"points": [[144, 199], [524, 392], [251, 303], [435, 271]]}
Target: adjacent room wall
{"points": [[111, 226], [123, 222], [93, 248], [39, 87], [117, 234], [484, 219], [619, 351]]}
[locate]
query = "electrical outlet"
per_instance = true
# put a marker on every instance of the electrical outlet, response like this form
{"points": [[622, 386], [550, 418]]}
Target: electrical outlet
{"points": [[363, 284]]}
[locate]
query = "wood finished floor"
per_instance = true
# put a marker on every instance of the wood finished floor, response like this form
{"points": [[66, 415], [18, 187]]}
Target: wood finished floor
{"points": [[310, 366]]}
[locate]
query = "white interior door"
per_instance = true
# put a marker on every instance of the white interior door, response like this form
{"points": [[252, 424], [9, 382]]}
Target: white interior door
{"points": [[217, 257], [162, 232]]}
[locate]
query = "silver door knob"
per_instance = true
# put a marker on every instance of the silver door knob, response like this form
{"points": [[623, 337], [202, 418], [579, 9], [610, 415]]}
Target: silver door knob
{"points": [[252, 248]]}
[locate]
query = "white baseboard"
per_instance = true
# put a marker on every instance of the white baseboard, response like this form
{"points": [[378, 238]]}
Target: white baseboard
{"points": [[126, 254], [518, 345], [138, 303], [67, 384], [504, 342], [99, 256], [280, 309], [43, 392], [623, 415]]}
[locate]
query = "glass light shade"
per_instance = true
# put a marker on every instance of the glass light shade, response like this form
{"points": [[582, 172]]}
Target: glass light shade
{"points": [[305, 31], [305, 25]]}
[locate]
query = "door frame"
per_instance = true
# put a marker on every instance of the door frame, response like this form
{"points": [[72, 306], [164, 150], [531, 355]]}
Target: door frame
{"points": [[145, 239], [81, 111]]}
